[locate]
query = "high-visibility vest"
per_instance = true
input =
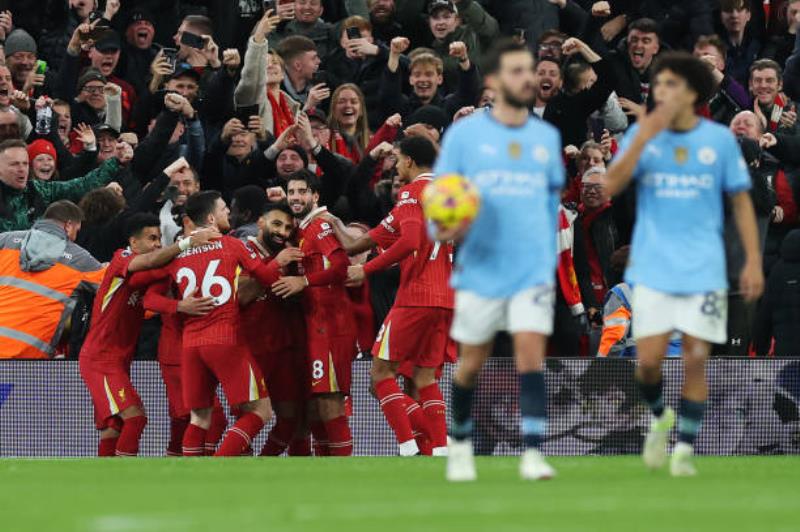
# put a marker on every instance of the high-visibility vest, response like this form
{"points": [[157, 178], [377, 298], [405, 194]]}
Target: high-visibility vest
{"points": [[36, 306]]}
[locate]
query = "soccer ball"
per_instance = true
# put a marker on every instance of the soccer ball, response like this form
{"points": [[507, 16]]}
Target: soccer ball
{"points": [[451, 201]]}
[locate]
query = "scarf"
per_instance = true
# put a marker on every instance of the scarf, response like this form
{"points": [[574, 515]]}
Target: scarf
{"points": [[775, 115], [282, 116], [567, 279]]}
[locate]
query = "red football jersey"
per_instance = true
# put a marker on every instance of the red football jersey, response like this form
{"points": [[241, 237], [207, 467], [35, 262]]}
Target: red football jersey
{"points": [[326, 307], [425, 274], [272, 324], [160, 297], [117, 315], [213, 270]]}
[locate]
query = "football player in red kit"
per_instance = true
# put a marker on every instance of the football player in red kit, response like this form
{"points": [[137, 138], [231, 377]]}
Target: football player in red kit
{"points": [[117, 317], [417, 327], [330, 328], [212, 350], [274, 328]]}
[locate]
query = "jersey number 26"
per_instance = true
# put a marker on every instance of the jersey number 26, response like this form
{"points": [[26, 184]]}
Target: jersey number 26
{"points": [[210, 279]]}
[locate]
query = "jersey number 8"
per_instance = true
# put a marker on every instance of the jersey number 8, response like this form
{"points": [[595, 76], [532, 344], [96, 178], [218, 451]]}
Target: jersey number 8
{"points": [[209, 280]]}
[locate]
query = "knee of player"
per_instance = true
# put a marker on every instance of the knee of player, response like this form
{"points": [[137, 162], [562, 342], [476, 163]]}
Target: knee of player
{"points": [[201, 417], [424, 377], [382, 370], [133, 411]]}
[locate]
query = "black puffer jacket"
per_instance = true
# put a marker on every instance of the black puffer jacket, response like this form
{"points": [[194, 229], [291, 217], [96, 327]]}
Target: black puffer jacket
{"points": [[779, 313]]}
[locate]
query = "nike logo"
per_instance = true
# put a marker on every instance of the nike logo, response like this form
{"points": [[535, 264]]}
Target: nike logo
{"points": [[313, 383]]}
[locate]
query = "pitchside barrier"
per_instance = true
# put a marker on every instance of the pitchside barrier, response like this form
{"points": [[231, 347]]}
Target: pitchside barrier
{"points": [[593, 407]]}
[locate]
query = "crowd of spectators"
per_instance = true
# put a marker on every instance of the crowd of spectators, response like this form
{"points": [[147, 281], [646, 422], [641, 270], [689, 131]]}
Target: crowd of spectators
{"points": [[108, 95]]}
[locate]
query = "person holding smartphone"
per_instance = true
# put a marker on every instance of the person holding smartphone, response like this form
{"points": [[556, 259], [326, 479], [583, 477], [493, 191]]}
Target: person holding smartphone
{"points": [[195, 43], [303, 17]]}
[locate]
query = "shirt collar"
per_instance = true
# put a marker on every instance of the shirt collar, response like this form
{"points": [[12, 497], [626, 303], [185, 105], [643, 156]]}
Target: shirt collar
{"points": [[313, 214]]}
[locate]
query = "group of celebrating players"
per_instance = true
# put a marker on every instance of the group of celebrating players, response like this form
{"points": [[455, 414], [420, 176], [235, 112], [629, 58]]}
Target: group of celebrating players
{"points": [[269, 319], [286, 326]]}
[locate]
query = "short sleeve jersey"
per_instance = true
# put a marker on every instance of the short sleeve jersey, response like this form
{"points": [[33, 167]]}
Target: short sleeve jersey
{"points": [[425, 274], [680, 180], [117, 315], [213, 270], [511, 244]]}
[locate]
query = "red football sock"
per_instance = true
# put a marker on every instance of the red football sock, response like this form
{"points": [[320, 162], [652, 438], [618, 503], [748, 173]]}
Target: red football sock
{"points": [[436, 411], [177, 426], [107, 447], [419, 424], [128, 443], [341, 441], [320, 438], [279, 437], [393, 405], [240, 435], [194, 441], [300, 447], [215, 430]]}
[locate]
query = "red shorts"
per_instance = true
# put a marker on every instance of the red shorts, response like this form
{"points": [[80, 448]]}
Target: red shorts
{"points": [[111, 390], [418, 335], [171, 375], [230, 365], [284, 372], [330, 363]]}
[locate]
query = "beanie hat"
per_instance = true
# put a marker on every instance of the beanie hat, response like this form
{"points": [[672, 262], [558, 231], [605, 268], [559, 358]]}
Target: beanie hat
{"points": [[299, 151], [40, 147], [90, 74], [429, 115], [19, 40]]}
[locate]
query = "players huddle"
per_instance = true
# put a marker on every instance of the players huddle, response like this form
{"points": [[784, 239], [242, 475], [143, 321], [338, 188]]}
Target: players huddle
{"points": [[269, 318]]}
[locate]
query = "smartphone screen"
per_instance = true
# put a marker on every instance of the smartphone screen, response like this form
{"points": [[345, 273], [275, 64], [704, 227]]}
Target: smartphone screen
{"points": [[192, 40], [269, 4], [171, 55], [243, 113], [320, 76], [353, 33]]}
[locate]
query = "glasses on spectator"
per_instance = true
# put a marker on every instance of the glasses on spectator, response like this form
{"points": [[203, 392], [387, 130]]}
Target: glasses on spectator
{"points": [[96, 89], [589, 187], [319, 127]]}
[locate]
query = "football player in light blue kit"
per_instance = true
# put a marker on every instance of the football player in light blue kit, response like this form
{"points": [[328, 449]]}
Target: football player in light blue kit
{"points": [[682, 165], [505, 265]]}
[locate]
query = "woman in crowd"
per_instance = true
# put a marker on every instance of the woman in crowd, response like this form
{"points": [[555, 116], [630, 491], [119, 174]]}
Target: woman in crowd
{"points": [[349, 123]]}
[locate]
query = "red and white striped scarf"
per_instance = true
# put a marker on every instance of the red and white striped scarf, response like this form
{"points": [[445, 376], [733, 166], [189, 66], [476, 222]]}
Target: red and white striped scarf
{"points": [[777, 112], [567, 279]]}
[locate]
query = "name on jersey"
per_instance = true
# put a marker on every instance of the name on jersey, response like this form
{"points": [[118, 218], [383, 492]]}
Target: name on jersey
{"points": [[679, 185], [212, 246], [507, 183]]}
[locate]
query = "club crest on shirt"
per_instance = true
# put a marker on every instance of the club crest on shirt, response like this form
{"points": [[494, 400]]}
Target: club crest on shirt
{"points": [[681, 155], [515, 150], [541, 155], [707, 156]]}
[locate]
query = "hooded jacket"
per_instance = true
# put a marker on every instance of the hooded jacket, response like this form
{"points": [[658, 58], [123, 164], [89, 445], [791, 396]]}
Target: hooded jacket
{"points": [[41, 273]]}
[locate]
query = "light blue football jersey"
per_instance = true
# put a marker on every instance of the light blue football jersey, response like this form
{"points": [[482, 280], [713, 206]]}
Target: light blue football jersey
{"points": [[680, 180], [511, 245]]}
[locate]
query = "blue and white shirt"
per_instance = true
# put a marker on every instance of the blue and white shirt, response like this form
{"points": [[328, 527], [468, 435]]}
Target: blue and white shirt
{"points": [[680, 180], [511, 245]]}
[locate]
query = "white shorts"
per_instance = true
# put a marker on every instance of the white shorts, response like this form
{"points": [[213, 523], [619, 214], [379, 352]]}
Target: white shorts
{"points": [[477, 319], [702, 316]]}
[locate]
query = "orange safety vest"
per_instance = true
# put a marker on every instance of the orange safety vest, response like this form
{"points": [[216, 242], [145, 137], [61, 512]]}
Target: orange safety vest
{"points": [[35, 307]]}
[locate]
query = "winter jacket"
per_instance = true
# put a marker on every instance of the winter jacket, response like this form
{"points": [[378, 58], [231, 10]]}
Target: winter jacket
{"points": [[366, 73], [604, 237], [569, 113], [394, 101], [320, 32], [21, 207], [252, 86], [779, 312]]}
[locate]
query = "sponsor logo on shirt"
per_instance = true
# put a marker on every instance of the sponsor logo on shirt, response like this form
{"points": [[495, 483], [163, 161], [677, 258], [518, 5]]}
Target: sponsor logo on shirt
{"points": [[680, 186], [508, 183]]}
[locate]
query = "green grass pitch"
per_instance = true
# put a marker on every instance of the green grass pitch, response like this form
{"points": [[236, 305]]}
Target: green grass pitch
{"points": [[393, 494]]}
